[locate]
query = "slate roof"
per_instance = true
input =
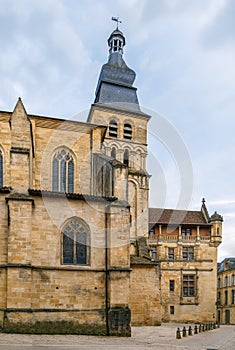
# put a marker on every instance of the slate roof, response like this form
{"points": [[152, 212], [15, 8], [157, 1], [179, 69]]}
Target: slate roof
{"points": [[173, 216], [226, 264], [115, 84], [75, 196]]}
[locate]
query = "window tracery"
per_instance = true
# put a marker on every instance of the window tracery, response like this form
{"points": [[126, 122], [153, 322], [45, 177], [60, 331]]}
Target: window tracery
{"points": [[75, 242], [63, 171]]}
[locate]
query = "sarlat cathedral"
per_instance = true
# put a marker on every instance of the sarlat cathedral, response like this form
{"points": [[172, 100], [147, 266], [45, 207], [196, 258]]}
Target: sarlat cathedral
{"points": [[81, 251]]}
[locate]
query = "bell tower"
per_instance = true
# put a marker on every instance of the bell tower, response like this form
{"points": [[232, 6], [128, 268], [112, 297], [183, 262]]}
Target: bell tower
{"points": [[116, 105]]}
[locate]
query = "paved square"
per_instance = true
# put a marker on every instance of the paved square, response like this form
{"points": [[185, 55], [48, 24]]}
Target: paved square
{"points": [[143, 338]]}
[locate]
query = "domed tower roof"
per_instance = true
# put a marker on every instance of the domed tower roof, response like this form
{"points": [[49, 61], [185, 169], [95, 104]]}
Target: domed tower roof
{"points": [[216, 217], [115, 84], [116, 33]]}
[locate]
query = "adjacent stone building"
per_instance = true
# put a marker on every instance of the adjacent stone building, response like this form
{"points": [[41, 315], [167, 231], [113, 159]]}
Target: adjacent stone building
{"points": [[185, 243], [226, 291], [76, 253]]}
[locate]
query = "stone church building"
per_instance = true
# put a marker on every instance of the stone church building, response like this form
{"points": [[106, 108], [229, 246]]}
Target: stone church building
{"points": [[81, 252]]}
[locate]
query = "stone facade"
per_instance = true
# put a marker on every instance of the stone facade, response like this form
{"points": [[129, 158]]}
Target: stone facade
{"points": [[145, 296], [76, 253], [39, 291], [226, 291], [184, 243]]}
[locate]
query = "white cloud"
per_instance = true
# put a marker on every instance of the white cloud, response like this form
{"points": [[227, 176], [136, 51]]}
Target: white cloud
{"points": [[183, 52]]}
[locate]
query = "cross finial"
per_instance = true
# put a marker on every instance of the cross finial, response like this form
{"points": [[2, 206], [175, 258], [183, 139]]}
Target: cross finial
{"points": [[116, 19]]}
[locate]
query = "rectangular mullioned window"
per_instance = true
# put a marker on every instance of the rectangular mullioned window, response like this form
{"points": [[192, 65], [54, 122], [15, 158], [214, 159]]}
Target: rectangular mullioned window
{"points": [[189, 285], [188, 253], [171, 253]]}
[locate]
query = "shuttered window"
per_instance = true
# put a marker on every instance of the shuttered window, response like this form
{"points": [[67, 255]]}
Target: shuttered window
{"points": [[127, 134], [113, 129]]}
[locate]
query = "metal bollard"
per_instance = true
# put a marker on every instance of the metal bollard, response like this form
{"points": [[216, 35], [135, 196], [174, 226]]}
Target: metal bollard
{"points": [[203, 327], [190, 331], [184, 332], [178, 334], [195, 329], [200, 328]]}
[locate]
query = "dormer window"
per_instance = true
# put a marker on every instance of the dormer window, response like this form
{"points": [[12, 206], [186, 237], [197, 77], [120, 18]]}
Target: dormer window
{"points": [[113, 129], [127, 134]]}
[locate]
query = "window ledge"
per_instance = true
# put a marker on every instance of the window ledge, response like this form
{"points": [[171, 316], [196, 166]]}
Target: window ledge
{"points": [[189, 301]]}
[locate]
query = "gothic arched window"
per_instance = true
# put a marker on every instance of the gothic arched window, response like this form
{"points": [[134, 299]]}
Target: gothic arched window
{"points": [[127, 134], [1, 169], [76, 237], [113, 129], [126, 157], [63, 171]]}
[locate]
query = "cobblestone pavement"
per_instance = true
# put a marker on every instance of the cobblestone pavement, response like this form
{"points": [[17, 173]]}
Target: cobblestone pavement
{"points": [[143, 338]]}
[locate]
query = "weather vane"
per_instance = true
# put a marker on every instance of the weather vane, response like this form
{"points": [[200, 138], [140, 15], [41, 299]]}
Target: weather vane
{"points": [[116, 19]]}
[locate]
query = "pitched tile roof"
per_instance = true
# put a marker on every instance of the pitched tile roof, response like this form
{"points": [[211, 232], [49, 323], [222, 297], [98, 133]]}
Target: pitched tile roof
{"points": [[173, 216]]}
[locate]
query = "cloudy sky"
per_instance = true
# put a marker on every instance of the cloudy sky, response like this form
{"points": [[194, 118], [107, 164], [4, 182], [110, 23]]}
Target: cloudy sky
{"points": [[183, 52]]}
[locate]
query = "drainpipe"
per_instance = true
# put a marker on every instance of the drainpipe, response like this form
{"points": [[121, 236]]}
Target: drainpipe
{"points": [[91, 162], [106, 272]]}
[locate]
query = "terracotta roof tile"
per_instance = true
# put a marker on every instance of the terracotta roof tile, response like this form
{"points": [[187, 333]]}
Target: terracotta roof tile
{"points": [[173, 216]]}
